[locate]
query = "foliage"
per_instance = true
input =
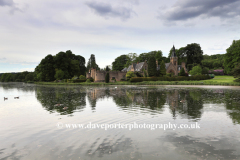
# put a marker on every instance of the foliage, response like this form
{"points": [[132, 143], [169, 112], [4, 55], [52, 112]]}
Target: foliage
{"points": [[182, 72], [59, 74], [232, 57], [92, 63], [107, 69], [132, 57], [18, 77], [88, 81], [205, 70], [138, 74], [152, 68], [107, 78], [146, 56], [193, 53], [236, 73], [82, 77], [162, 69], [119, 62], [69, 63], [197, 70], [130, 74], [145, 73]]}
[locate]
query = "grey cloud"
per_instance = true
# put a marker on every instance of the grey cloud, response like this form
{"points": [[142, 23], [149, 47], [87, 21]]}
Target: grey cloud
{"points": [[187, 9], [6, 3], [106, 10], [2, 59]]}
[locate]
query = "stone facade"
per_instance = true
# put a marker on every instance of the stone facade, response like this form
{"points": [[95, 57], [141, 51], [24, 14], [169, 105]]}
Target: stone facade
{"points": [[99, 76]]}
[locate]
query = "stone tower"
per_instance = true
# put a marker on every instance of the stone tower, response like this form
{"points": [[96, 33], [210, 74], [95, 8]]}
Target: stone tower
{"points": [[173, 58]]}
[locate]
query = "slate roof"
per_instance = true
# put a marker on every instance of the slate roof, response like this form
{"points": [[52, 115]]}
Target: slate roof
{"points": [[137, 67], [124, 69]]}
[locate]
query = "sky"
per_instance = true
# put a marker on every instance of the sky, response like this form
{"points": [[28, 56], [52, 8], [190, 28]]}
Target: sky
{"points": [[30, 30]]}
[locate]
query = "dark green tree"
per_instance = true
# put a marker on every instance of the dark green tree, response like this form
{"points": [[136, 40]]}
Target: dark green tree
{"points": [[107, 69], [152, 68], [92, 63], [236, 73], [59, 74], [205, 70], [46, 69], [193, 54], [120, 62], [162, 68], [232, 57], [182, 72], [107, 78]]}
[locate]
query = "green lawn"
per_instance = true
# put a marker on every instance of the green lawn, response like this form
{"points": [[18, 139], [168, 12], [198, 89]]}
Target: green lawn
{"points": [[217, 80]]}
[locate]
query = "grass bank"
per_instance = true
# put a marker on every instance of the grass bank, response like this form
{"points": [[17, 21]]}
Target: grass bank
{"points": [[217, 80]]}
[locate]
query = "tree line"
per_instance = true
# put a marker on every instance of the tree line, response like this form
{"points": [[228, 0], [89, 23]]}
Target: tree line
{"points": [[66, 65]]}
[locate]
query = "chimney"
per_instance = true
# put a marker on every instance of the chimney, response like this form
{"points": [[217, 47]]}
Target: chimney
{"points": [[156, 62]]}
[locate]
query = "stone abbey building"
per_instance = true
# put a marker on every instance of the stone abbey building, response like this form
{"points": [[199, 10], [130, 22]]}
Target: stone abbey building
{"points": [[171, 67]]}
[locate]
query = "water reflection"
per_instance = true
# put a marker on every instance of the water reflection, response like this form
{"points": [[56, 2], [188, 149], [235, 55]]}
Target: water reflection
{"points": [[34, 135], [61, 99]]}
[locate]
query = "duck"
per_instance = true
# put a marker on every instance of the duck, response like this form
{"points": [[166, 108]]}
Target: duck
{"points": [[16, 97], [5, 98]]}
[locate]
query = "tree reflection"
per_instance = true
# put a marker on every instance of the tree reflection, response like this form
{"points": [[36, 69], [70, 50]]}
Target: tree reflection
{"points": [[69, 99], [232, 101]]}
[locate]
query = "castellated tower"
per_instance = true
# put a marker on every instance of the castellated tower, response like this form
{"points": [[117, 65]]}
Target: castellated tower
{"points": [[174, 58]]}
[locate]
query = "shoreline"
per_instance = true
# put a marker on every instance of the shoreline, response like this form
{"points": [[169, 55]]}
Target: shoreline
{"points": [[161, 83]]}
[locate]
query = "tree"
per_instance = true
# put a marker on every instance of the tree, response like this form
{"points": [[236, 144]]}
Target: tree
{"points": [[152, 68], [232, 57], [193, 53], [132, 58], [59, 74], [146, 56], [107, 69], [82, 77], [92, 63], [130, 74], [236, 73], [182, 72], [120, 62], [205, 70], [107, 78], [29, 77], [162, 68], [197, 70], [46, 68]]}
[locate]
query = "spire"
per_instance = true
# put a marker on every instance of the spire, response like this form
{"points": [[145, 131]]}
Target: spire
{"points": [[173, 52]]}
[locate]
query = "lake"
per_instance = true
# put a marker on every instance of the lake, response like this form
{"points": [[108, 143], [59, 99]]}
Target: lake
{"points": [[119, 122]]}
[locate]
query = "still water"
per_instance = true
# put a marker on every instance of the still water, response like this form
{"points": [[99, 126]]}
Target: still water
{"points": [[34, 126]]}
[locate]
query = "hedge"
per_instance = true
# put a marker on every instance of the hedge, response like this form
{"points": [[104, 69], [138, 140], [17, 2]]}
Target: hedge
{"points": [[179, 78], [76, 80]]}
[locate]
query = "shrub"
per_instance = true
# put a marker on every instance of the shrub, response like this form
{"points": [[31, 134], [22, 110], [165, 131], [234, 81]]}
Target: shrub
{"points": [[129, 75], [91, 79], [78, 80], [82, 77], [169, 74], [182, 72], [197, 70], [138, 74], [88, 80]]}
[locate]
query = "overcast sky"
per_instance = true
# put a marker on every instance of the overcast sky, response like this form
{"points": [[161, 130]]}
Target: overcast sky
{"points": [[30, 30]]}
